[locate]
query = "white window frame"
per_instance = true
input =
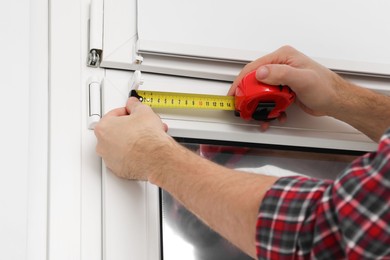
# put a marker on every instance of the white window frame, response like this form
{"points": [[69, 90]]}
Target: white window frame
{"points": [[76, 182]]}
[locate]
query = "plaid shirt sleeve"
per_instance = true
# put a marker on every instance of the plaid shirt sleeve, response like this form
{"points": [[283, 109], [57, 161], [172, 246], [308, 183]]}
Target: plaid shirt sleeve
{"points": [[305, 218]]}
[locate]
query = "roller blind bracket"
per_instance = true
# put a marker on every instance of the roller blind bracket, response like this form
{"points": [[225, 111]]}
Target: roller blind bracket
{"points": [[95, 33], [137, 58], [135, 81]]}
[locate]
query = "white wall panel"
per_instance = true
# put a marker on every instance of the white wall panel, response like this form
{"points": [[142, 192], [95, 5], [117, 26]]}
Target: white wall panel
{"points": [[14, 132]]}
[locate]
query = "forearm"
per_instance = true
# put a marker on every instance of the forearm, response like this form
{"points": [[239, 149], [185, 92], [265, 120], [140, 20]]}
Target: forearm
{"points": [[367, 111], [226, 200]]}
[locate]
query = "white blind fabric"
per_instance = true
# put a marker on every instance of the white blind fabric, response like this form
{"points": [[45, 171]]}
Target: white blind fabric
{"points": [[348, 35]]}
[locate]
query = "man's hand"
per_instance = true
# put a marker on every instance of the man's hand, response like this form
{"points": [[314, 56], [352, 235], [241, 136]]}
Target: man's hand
{"points": [[318, 89], [322, 92], [130, 140]]}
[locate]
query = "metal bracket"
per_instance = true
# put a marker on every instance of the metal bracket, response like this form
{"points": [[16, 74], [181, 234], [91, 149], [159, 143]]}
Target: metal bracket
{"points": [[95, 33], [94, 58], [137, 59]]}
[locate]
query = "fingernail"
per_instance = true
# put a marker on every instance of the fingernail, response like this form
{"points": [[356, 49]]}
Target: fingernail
{"points": [[262, 73], [131, 100]]}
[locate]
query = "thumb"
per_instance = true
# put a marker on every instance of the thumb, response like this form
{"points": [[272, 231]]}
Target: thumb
{"points": [[132, 105], [282, 74]]}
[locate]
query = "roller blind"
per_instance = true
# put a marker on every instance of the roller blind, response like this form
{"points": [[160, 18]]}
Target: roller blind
{"points": [[348, 35]]}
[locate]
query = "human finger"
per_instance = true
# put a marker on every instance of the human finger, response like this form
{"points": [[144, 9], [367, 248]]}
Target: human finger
{"points": [[264, 126], [165, 127], [282, 55], [282, 74], [121, 111], [282, 118], [133, 105]]}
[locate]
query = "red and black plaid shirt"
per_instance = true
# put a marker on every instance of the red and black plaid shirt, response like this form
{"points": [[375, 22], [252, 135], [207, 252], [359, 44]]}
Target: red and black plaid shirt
{"points": [[306, 218]]}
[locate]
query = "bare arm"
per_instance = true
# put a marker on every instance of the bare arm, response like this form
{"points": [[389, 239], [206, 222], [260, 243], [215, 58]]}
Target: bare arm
{"points": [[136, 146], [226, 200], [367, 111]]}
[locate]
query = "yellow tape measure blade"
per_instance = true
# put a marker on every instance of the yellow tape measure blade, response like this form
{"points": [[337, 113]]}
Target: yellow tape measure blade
{"points": [[156, 99]]}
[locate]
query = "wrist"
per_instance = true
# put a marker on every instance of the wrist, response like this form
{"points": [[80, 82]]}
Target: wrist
{"points": [[338, 102], [362, 108], [164, 157], [147, 155]]}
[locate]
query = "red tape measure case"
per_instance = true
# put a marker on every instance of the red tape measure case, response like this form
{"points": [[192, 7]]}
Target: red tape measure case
{"points": [[259, 101]]}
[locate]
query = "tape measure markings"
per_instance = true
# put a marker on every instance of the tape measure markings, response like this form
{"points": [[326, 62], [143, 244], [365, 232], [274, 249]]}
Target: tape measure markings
{"points": [[157, 99]]}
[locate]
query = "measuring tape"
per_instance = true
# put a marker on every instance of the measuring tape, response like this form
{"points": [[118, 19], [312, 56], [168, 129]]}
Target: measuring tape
{"points": [[157, 99], [252, 100]]}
